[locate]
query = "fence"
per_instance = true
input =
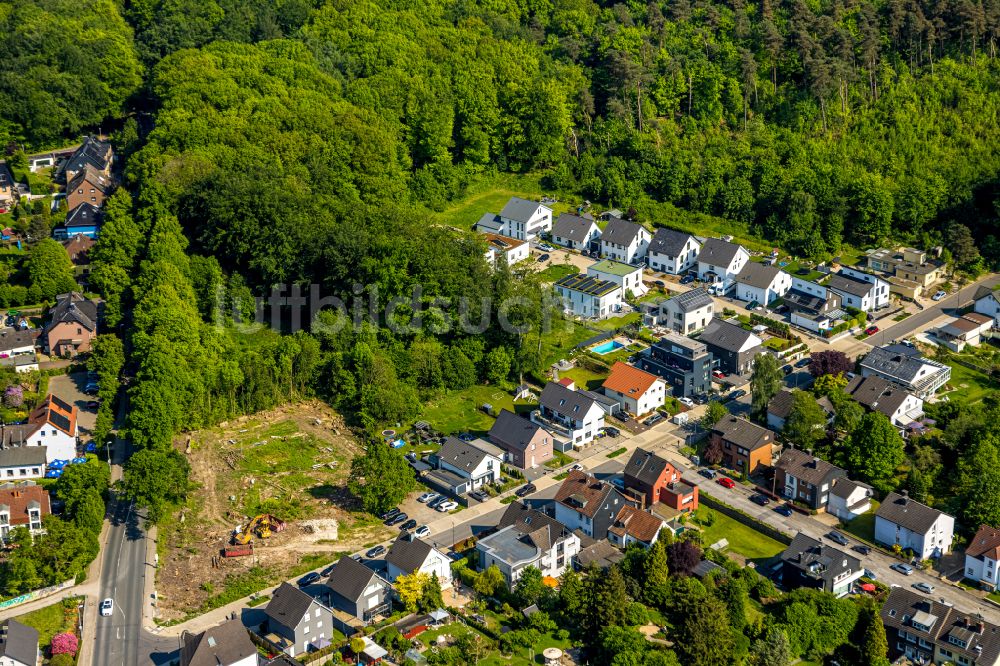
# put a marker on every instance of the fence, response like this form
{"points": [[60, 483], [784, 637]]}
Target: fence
{"points": [[743, 518], [36, 594]]}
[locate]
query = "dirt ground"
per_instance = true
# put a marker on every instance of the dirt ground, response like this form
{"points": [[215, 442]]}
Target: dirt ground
{"points": [[292, 462]]}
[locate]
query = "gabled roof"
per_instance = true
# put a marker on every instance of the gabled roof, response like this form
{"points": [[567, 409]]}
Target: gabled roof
{"points": [[288, 605], [849, 285], [55, 412], [844, 487], [91, 176], [78, 246], [781, 403], [909, 513], [519, 209], [572, 227], [92, 152], [877, 394], [669, 242], [718, 252], [743, 433], [904, 366], [408, 553], [527, 521], [19, 642], [513, 431], [806, 467], [222, 645], [645, 467], [349, 578], [562, 400], [22, 456], [621, 232], [756, 274], [985, 292], [819, 559], [629, 381], [637, 524], [84, 215], [584, 493], [690, 301], [986, 543], [466, 455], [17, 498], [728, 336], [74, 308], [11, 338]]}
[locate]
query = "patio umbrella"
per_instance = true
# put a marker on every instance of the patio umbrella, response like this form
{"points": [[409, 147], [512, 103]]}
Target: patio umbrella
{"points": [[77, 461], [867, 587], [549, 581]]}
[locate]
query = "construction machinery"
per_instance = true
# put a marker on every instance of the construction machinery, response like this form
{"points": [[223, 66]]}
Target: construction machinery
{"points": [[261, 525]]}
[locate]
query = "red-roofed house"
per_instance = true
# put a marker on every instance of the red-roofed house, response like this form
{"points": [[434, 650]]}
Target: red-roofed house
{"points": [[633, 525], [638, 391], [982, 557], [23, 505], [53, 424], [650, 479]]}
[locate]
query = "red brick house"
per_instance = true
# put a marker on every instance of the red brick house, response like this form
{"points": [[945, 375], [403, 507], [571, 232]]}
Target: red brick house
{"points": [[23, 505], [650, 479]]}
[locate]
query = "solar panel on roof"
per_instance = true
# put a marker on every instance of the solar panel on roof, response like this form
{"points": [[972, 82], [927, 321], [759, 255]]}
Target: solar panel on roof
{"points": [[59, 421], [66, 407]]}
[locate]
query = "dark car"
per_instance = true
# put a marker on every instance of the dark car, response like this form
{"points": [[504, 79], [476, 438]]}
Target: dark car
{"points": [[543, 257], [612, 432], [687, 279], [787, 370], [400, 517], [525, 490], [864, 550], [660, 283], [654, 419], [408, 525], [784, 510], [837, 537], [707, 473], [803, 362], [390, 514], [737, 394], [375, 552], [760, 499], [93, 404], [309, 579], [441, 499], [329, 570], [479, 495]]}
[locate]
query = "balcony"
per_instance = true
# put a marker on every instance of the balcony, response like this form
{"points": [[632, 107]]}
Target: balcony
{"points": [[557, 427]]}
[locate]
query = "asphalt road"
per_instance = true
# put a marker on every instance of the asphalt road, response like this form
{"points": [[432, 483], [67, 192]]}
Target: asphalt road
{"points": [[117, 641]]}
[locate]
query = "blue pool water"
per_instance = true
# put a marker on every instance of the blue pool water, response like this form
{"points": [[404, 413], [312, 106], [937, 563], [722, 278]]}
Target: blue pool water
{"points": [[607, 347]]}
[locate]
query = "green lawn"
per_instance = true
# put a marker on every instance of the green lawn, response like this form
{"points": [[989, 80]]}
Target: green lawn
{"points": [[558, 271], [585, 377], [51, 620], [560, 341], [460, 411], [970, 385], [614, 323], [863, 526], [742, 539], [490, 194], [558, 459]]}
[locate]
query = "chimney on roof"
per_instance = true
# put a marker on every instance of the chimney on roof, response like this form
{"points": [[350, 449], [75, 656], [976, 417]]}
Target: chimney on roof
{"points": [[906, 496]]}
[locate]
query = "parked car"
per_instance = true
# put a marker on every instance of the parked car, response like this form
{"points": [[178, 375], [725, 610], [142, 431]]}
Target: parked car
{"points": [[784, 510], [617, 482], [576, 468], [329, 570], [400, 517], [654, 419], [426, 497], [687, 279], [939, 295], [612, 432], [803, 362], [726, 482], [445, 507], [924, 587], [904, 569], [718, 374], [737, 394], [762, 500], [479, 495], [546, 247], [441, 499], [107, 607], [357, 557], [753, 305], [526, 489], [837, 537], [93, 404], [408, 525], [390, 514], [870, 574], [707, 473], [688, 402], [787, 370], [871, 330], [700, 398], [375, 552], [864, 550], [422, 532], [543, 258], [309, 579], [90, 389]]}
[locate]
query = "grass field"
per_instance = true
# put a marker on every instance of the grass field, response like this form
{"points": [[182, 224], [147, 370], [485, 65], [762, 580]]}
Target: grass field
{"points": [[490, 194], [51, 620], [561, 339], [970, 385], [742, 539], [557, 271], [863, 526], [585, 377], [461, 411]]}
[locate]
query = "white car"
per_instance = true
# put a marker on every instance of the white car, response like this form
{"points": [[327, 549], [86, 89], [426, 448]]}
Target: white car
{"points": [[422, 532], [426, 497], [445, 507], [924, 587], [107, 607], [939, 295], [686, 401]]}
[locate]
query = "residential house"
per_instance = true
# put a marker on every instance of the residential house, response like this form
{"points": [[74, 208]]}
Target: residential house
{"points": [[802, 477], [982, 556], [92, 154], [685, 313], [720, 262], [781, 404], [907, 367], [52, 426], [684, 363], [78, 248], [812, 306], [88, 186], [462, 466], [575, 232], [673, 252], [585, 503], [19, 644], [84, 220], [72, 325], [624, 241], [745, 446], [914, 526], [8, 189], [733, 347], [964, 331], [21, 363], [633, 525], [575, 415], [23, 505], [588, 296], [227, 644], [528, 538], [907, 264], [638, 391], [762, 283], [849, 499], [22, 462], [860, 290], [813, 564], [987, 302], [924, 631], [511, 249], [649, 478], [409, 555], [628, 277], [520, 218], [14, 341], [601, 554], [357, 590], [527, 444], [876, 394], [296, 622]]}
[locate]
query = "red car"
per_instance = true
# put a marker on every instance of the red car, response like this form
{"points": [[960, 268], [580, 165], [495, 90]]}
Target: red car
{"points": [[718, 374], [871, 330], [726, 482]]}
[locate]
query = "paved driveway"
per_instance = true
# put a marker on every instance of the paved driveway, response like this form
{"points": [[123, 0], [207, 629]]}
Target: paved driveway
{"points": [[69, 388]]}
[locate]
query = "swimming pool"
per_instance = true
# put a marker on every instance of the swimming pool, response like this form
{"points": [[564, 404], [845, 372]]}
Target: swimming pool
{"points": [[607, 347]]}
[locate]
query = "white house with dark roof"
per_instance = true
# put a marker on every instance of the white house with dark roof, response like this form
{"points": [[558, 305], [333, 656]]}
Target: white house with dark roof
{"points": [[813, 306], [475, 463], [988, 303], [585, 503], [357, 590], [913, 526], [574, 231], [520, 219], [227, 644], [982, 557], [672, 251], [859, 289], [528, 538], [907, 367], [849, 499], [876, 394], [684, 313], [14, 341], [812, 564], [589, 296], [762, 283], [720, 262], [624, 241], [296, 622], [409, 555], [732, 346], [19, 644], [573, 414], [22, 462]]}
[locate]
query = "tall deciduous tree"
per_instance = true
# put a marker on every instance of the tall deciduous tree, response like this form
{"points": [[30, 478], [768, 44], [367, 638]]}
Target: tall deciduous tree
{"points": [[714, 412], [980, 484], [806, 422], [874, 449], [380, 477], [50, 270], [154, 479], [829, 362], [765, 382]]}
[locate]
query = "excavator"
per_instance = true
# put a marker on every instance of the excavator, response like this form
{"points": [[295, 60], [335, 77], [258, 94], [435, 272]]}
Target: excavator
{"points": [[261, 525]]}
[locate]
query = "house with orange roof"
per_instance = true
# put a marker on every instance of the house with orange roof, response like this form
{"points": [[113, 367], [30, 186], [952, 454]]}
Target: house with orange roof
{"points": [[982, 557], [634, 525], [23, 505], [53, 425], [638, 391]]}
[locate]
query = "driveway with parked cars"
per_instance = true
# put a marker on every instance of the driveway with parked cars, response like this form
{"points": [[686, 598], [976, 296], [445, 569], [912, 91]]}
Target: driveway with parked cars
{"points": [[70, 389]]}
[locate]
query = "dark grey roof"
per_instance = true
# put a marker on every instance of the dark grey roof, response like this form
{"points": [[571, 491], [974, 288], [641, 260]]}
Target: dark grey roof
{"points": [[19, 642], [756, 274], [908, 513], [287, 605], [877, 394], [224, 644], [92, 152], [572, 227], [706, 567], [725, 335], [819, 559], [21, 456], [84, 215], [620, 232], [983, 292], [849, 285], [513, 431], [669, 242], [408, 552], [843, 487], [692, 300], [561, 400], [349, 578], [645, 466], [6, 177], [806, 467], [533, 526], [466, 455], [781, 404], [900, 365], [519, 209], [73, 307], [601, 554], [718, 252], [743, 433], [11, 338]]}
